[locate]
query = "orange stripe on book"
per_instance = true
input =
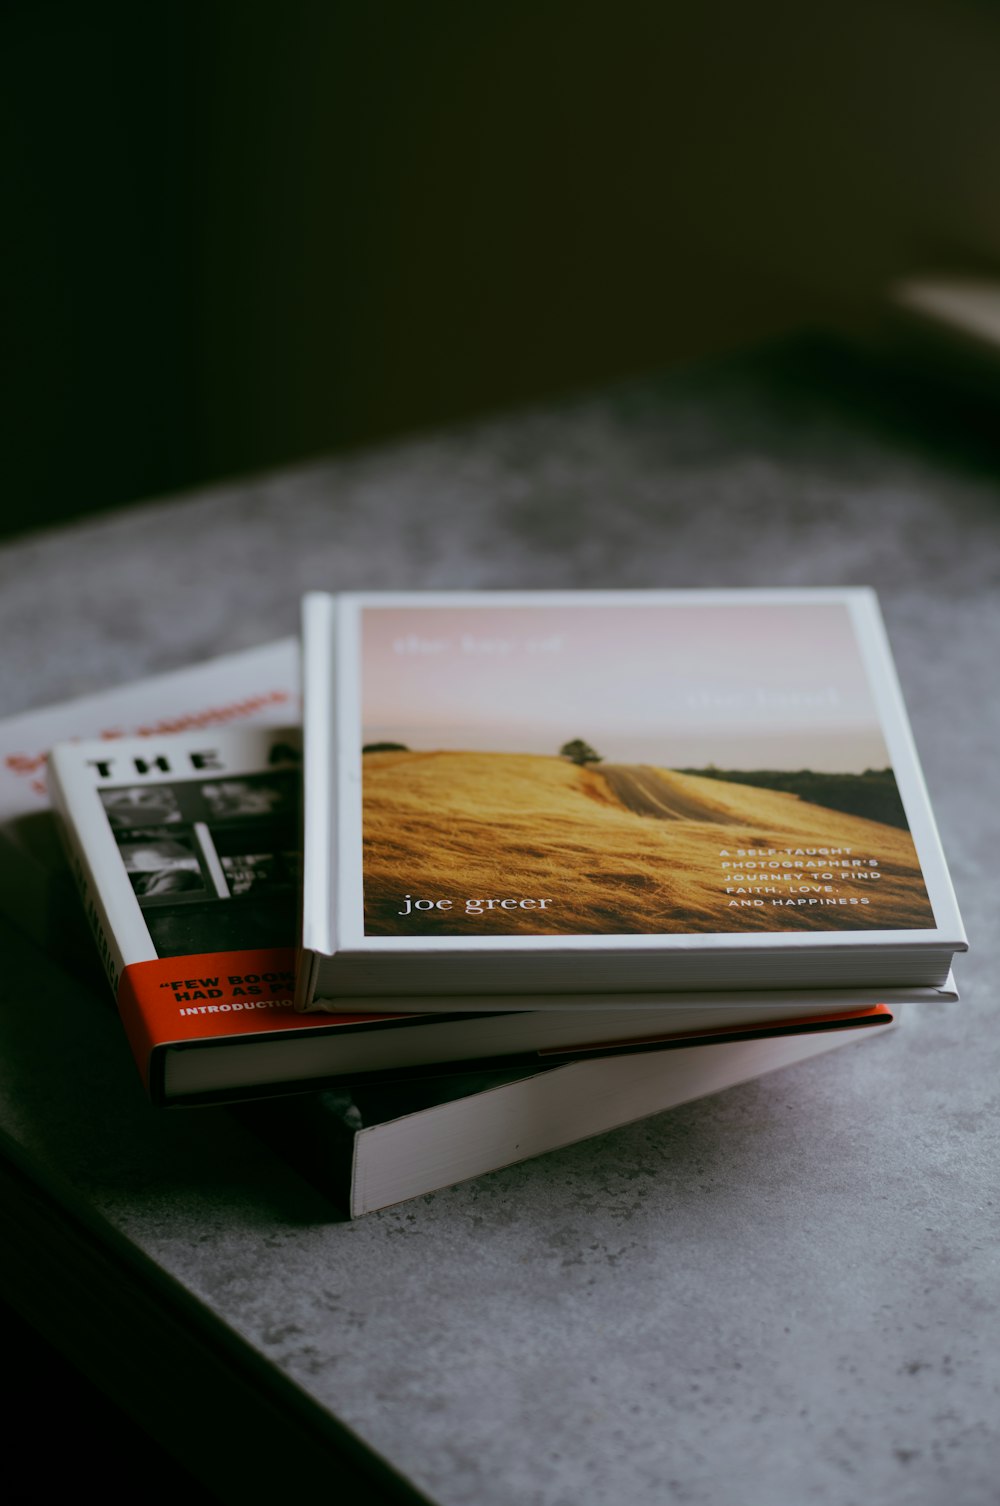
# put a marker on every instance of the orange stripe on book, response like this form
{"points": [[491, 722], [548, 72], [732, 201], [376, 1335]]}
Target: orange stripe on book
{"points": [[214, 995]]}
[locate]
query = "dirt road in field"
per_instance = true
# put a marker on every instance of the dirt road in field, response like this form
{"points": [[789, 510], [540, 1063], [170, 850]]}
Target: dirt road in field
{"points": [[647, 792]]}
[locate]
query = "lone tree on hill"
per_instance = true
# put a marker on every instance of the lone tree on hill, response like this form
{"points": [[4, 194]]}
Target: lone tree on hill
{"points": [[578, 751]]}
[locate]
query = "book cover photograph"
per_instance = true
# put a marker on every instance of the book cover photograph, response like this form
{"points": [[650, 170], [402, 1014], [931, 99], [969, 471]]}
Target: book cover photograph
{"points": [[213, 862], [185, 849], [700, 764]]}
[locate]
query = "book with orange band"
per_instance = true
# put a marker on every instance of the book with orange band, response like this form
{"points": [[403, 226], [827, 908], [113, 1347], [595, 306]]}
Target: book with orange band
{"points": [[186, 850]]}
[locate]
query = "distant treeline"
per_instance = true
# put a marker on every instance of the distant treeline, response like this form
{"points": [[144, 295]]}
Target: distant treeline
{"points": [[873, 794]]}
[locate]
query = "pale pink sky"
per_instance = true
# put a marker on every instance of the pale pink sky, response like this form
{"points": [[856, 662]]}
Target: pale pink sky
{"points": [[752, 685]]}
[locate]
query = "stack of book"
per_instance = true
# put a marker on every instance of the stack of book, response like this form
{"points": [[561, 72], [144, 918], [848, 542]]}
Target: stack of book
{"points": [[568, 859]]}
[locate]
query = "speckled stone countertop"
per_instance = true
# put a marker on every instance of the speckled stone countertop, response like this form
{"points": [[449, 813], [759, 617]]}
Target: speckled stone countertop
{"points": [[787, 1293]]}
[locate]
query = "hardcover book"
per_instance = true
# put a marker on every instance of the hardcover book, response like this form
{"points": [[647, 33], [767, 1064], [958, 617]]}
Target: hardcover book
{"points": [[370, 1147], [186, 850], [566, 794]]}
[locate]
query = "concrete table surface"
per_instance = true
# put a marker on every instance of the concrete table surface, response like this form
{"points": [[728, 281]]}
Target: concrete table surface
{"points": [[787, 1293]]}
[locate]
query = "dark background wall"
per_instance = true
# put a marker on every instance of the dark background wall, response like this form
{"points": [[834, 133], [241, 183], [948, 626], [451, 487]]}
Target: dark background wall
{"points": [[240, 232]]}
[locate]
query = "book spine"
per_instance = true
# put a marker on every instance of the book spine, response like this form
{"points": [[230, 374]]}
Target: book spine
{"points": [[410, 1156], [319, 882], [98, 912], [94, 903], [183, 998]]}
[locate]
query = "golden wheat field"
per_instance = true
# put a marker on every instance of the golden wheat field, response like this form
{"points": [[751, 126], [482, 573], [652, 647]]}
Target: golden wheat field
{"points": [[477, 826]]}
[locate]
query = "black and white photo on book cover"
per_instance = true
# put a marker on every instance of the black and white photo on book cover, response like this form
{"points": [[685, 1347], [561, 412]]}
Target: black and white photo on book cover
{"points": [[191, 847], [684, 765]]}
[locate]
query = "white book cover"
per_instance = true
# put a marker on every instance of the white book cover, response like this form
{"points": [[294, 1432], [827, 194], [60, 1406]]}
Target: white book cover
{"points": [[258, 687], [641, 791]]}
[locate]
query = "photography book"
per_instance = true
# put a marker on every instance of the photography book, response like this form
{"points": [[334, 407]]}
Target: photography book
{"points": [[370, 1147], [559, 794], [186, 850], [259, 686]]}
